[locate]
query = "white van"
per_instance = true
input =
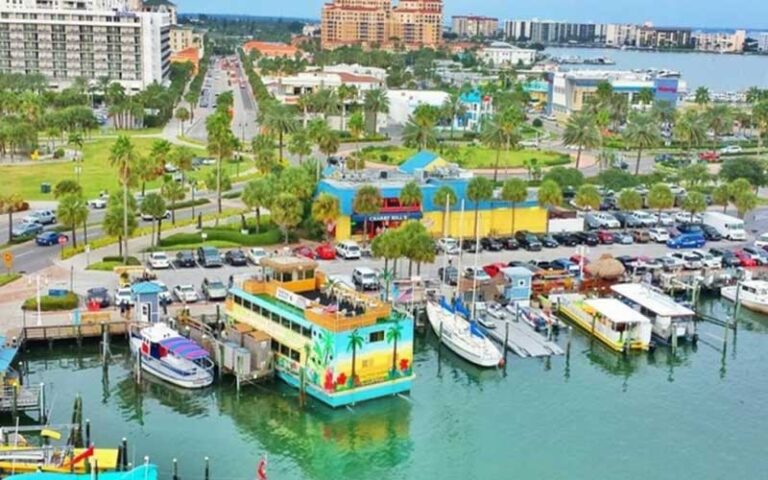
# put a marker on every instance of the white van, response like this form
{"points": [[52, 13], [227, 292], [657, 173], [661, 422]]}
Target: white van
{"points": [[348, 249], [729, 227]]}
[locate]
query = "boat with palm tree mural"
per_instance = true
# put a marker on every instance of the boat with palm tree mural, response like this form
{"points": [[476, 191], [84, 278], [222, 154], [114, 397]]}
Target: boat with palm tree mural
{"points": [[337, 344]]}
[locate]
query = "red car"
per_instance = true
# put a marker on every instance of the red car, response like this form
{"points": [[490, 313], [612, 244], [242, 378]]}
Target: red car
{"points": [[605, 237], [578, 258], [745, 259], [709, 156], [493, 269], [304, 251], [325, 251]]}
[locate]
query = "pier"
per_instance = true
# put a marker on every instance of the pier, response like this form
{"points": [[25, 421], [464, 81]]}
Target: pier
{"points": [[522, 339]]}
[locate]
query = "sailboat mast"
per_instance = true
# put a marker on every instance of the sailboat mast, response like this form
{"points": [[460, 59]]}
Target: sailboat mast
{"points": [[445, 235], [474, 273], [461, 251]]}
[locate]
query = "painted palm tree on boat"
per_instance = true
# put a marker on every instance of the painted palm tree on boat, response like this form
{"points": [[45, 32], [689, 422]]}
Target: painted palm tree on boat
{"points": [[355, 343], [394, 333]]}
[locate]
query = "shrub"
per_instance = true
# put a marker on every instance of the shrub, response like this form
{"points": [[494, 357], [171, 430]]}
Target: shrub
{"points": [[188, 203], [231, 235], [69, 301], [537, 123], [58, 153], [132, 261]]}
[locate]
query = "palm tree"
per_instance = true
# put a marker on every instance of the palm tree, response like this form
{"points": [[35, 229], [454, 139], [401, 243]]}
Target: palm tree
{"points": [[721, 195], [420, 132], [376, 101], [367, 202], [689, 130], [356, 126], [719, 119], [760, 119], [113, 224], [300, 145], [503, 131], [694, 203], [660, 197], [629, 199], [305, 103], [745, 201], [182, 115], [258, 194], [154, 206], [445, 197], [72, 212], [645, 96], [587, 197], [325, 209], [642, 133], [388, 246], [454, 108], [263, 147], [327, 101], [10, 204], [279, 120], [410, 195], [328, 144], [394, 333], [549, 195], [66, 187], [355, 343], [123, 157], [286, 212], [221, 143], [701, 97], [173, 192], [343, 93], [160, 154], [581, 131], [76, 140], [479, 189], [181, 157], [514, 190]]}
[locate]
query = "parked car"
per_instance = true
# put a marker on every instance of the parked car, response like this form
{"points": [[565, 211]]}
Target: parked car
{"points": [[627, 261], [476, 273], [623, 238], [658, 235], [124, 297], [709, 156], [731, 150], [304, 251], [491, 244], [493, 269], [664, 219], [745, 259], [528, 241], [567, 265], [43, 217], [587, 238], [690, 260], [185, 293], [159, 260], [579, 260], [690, 228], [99, 296], [24, 229], [213, 290], [325, 251], [165, 295], [255, 254], [641, 236], [449, 275], [47, 238], [761, 241], [685, 217], [627, 220], [236, 258], [448, 246], [604, 219], [510, 243], [645, 218], [470, 245], [566, 239], [548, 241], [348, 250], [605, 237], [671, 264], [365, 278], [707, 259], [149, 218], [98, 203], [757, 253], [591, 222], [208, 257], [710, 233], [727, 257], [687, 240], [185, 259]]}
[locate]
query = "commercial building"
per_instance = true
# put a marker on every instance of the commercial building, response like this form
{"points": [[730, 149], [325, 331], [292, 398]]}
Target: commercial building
{"points": [[501, 54], [430, 172], [159, 6], [89, 39], [571, 90], [182, 38], [402, 103], [762, 42], [474, 26], [551, 32], [377, 23], [477, 107], [720, 42], [190, 55], [649, 36], [288, 89], [271, 49]]}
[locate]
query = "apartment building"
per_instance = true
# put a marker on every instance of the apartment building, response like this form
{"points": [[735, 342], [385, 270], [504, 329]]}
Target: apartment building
{"points": [[551, 32], [474, 26], [720, 42], [182, 38], [762, 42], [158, 6], [501, 54], [649, 36], [68, 39], [620, 34], [377, 23]]}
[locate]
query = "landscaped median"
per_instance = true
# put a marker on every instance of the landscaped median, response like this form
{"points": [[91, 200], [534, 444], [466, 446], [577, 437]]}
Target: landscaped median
{"points": [[7, 278], [471, 156], [108, 264], [67, 301], [228, 236]]}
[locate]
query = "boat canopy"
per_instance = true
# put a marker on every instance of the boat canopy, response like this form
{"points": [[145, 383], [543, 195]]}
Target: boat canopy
{"points": [[616, 311], [185, 348], [652, 300]]}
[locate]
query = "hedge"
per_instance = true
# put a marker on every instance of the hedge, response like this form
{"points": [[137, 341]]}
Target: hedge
{"points": [[7, 278], [132, 261], [108, 264], [69, 301], [231, 195], [189, 203], [269, 237]]}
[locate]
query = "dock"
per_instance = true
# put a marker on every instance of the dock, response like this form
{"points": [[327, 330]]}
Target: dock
{"points": [[522, 339]]}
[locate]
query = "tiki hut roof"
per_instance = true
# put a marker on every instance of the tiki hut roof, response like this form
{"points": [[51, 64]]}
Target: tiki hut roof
{"points": [[606, 267]]}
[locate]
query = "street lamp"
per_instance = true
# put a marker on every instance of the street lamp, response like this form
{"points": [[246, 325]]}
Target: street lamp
{"points": [[38, 279]]}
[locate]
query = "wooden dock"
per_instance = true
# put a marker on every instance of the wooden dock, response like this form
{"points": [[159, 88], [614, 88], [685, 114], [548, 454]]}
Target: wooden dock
{"points": [[522, 339]]}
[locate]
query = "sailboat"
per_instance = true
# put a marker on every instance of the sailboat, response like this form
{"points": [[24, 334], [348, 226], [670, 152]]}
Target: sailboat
{"points": [[464, 338]]}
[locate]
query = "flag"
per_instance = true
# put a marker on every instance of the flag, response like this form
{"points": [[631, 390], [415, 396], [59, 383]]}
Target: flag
{"points": [[82, 456], [261, 470]]}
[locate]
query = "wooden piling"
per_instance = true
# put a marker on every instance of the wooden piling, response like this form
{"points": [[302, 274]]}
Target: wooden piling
{"points": [[125, 454], [87, 431], [207, 475], [175, 469], [96, 469], [14, 402], [506, 340], [43, 413], [570, 337]]}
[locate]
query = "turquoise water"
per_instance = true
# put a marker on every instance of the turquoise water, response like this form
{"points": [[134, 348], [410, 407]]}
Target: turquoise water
{"points": [[700, 414], [718, 72]]}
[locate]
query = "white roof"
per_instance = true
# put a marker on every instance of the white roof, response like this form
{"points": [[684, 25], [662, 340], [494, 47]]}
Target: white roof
{"points": [[654, 301], [159, 331], [616, 311]]}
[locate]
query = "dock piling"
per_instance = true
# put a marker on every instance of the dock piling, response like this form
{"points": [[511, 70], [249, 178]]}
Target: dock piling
{"points": [[125, 454], [506, 340], [570, 337], [175, 469], [87, 431], [43, 412], [207, 474]]}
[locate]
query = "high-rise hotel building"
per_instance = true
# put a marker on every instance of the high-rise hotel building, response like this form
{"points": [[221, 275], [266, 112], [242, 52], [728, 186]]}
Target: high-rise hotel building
{"points": [[68, 39], [377, 23]]}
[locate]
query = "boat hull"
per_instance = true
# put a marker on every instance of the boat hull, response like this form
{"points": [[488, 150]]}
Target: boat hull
{"points": [[729, 293], [157, 368], [587, 327], [481, 353]]}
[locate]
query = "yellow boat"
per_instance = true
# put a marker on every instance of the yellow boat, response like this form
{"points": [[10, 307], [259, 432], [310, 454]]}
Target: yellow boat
{"points": [[54, 459]]}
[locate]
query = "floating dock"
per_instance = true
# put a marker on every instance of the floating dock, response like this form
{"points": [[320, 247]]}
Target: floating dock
{"points": [[522, 339]]}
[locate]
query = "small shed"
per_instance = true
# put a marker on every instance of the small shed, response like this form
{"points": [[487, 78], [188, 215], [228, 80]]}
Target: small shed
{"points": [[146, 297], [517, 287]]}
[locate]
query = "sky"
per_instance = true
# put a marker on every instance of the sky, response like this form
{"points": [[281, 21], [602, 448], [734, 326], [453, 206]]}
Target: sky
{"points": [[695, 13]]}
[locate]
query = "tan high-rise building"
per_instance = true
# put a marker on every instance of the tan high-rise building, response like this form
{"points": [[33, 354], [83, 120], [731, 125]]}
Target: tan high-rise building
{"points": [[474, 26], [372, 23]]}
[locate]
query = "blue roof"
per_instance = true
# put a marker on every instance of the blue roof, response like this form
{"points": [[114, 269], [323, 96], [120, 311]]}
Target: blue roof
{"points": [[419, 161], [7, 354], [471, 97], [146, 288]]}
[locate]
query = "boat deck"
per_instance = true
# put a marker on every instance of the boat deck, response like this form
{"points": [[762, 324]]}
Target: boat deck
{"points": [[523, 340]]}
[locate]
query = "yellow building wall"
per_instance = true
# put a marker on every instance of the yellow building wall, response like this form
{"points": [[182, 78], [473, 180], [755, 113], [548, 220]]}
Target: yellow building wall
{"points": [[343, 228], [436, 163], [286, 336], [492, 222]]}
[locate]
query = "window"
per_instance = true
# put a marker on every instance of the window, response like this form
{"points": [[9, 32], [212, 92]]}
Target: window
{"points": [[285, 322], [295, 356], [307, 332], [238, 300], [295, 327], [376, 337]]}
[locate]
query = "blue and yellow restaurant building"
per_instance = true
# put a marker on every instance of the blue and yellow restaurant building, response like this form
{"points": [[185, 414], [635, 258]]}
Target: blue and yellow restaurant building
{"points": [[430, 172]]}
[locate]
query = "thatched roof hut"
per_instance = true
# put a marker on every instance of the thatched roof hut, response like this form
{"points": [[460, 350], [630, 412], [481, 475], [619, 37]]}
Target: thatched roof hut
{"points": [[606, 267]]}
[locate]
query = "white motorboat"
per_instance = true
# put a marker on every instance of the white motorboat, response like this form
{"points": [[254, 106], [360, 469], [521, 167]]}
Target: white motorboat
{"points": [[167, 355], [752, 294], [463, 338], [667, 317]]}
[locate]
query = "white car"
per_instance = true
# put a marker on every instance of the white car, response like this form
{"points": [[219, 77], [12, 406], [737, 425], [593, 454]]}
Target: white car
{"points": [[348, 249], [707, 259], [645, 218], [606, 220], [148, 218], [690, 261], [255, 255], [762, 240], [476, 273], [124, 296], [159, 260], [664, 219], [165, 294], [43, 217], [671, 264], [731, 149], [658, 235], [685, 217], [98, 203], [448, 245], [185, 293]]}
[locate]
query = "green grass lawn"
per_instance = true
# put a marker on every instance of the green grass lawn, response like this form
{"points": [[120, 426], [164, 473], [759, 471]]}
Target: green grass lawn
{"points": [[97, 174], [471, 156], [6, 278]]}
